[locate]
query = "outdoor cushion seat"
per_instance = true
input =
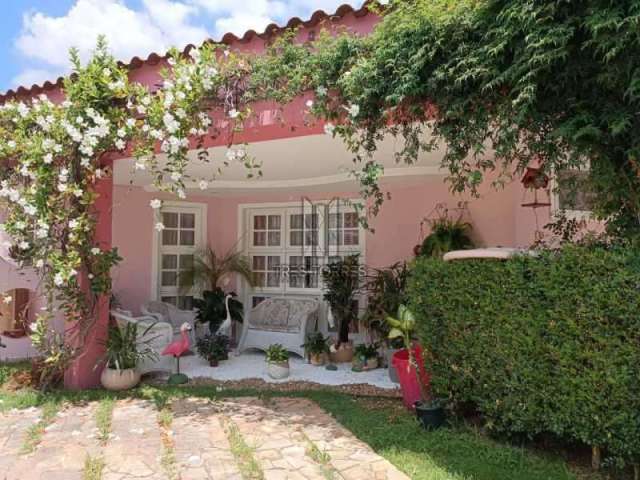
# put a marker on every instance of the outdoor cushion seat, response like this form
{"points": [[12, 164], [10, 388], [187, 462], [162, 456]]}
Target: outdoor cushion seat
{"points": [[165, 312], [280, 320]]}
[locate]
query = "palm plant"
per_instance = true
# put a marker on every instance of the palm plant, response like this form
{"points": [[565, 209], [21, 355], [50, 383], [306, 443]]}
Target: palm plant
{"points": [[209, 269], [342, 285]]}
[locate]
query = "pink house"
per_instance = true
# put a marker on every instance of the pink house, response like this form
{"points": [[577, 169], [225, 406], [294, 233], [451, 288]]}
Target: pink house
{"points": [[295, 215]]}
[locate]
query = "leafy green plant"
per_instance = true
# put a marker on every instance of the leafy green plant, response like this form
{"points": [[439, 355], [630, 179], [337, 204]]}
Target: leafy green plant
{"points": [[124, 350], [366, 351], [211, 308], [386, 291], [316, 344], [342, 283], [213, 347], [545, 344], [276, 353], [209, 269], [447, 234]]}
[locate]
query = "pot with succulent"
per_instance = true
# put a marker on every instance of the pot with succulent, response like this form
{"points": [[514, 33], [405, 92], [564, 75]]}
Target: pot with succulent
{"points": [[277, 361], [316, 347], [217, 308], [386, 291], [414, 380], [365, 357], [123, 352], [342, 285], [214, 348]]}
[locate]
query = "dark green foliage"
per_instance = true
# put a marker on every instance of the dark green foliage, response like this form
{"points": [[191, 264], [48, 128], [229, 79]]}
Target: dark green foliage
{"points": [[213, 347], [500, 83], [548, 344], [211, 308], [446, 235], [365, 351], [386, 291], [342, 284], [124, 349], [316, 344]]}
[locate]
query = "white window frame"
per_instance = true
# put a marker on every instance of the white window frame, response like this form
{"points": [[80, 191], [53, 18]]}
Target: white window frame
{"points": [[246, 213], [200, 209], [555, 199]]}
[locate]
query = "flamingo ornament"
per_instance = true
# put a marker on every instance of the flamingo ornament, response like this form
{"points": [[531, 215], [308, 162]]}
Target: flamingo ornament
{"points": [[176, 350]]}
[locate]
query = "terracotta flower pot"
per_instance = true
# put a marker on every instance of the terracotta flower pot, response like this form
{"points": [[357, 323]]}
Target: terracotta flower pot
{"points": [[344, 354], [318, 359], [115, 380], [278, 370]]}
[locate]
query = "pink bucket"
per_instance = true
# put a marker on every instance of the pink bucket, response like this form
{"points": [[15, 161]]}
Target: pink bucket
{"points": [[407, 375]]}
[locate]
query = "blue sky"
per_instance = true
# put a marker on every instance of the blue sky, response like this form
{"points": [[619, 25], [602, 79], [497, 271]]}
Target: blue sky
{"points": [[36, 34]]}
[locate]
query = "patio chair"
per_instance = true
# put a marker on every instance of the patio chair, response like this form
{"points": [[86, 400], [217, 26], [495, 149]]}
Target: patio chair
{"points": [[154, 334], [280, 320], [165, 312]]}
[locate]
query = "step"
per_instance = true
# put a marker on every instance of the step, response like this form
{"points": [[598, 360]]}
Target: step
{"points": [[13, 429], [135, 447], [350, 457], [279, 447], [202, 451], [63, 447]]}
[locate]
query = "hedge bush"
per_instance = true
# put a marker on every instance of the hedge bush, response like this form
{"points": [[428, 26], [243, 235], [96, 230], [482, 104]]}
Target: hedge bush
{"points": [[546, 344]]}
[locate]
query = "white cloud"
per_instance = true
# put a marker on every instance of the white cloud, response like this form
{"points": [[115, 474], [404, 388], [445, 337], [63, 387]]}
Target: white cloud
{"points": [[44, 41]]}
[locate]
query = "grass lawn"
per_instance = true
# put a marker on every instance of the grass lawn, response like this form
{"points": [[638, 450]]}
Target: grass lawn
{"points": [[455, 453]]}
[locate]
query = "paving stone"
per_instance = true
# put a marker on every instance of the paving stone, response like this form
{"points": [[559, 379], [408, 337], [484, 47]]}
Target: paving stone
{"points": [[201, 447], [352, 458], [13, 429], [63, 448], [135, 448], [279, 448]]}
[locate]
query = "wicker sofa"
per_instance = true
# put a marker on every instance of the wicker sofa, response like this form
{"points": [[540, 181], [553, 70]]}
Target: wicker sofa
{"points": [[280, 320]]}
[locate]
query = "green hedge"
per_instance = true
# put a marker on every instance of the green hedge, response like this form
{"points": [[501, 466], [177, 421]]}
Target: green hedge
{"points": [[547, 344]]}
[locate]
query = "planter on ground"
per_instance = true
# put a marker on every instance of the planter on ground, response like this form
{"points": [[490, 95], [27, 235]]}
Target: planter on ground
{"points": [[431, 416], [116, 380], [278, 370], [408, 377], [317, 359], [344, 354]]}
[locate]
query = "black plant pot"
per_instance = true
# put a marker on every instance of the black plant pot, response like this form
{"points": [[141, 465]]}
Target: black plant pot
{"points": [[431, 416]]}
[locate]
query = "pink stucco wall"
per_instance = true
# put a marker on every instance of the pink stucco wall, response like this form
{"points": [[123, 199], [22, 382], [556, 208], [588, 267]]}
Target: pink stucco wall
{"points": [[397, 228]]}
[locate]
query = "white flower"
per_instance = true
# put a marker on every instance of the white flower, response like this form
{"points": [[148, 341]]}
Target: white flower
{"points": [[73, 224], [7, 299], [203, 184], [140, 165], [175, 176], [78, 193], [233, 113], [62, 187], [353, 110], [321, 91], [309, 103], [40, 263], [155, 203], [11, 144], [120, 144], [106, 72], [48, 158], [85, 162], [226, 53], [329, 128], [95, 251], [181, 194], [159, 227], [30, 210], [23, 245], [99, 173], [131, 122], [181, 95], [146, 101], [121, 132], [58, 279], [91, 276]]}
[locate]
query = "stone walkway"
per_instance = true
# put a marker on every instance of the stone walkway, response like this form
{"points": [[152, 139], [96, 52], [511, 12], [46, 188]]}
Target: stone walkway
{"points": [[192, 439]]}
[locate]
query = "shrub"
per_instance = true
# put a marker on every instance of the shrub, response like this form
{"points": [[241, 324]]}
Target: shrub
{"points": [[546, 344]]}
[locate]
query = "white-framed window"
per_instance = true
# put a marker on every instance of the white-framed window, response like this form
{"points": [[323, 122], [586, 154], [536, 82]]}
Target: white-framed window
{"points": [[289, 244], [571, 192], [183, 235]]}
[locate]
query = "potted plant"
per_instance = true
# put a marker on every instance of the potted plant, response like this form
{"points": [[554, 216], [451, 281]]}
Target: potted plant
{"points": [[123, 352], [447, 234], [386, 291], [365, 357], [213, 348], [277, 361], [317, 348], [342, 284], [209, 272], [429, 411]]}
